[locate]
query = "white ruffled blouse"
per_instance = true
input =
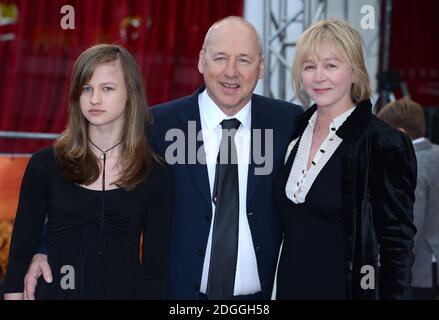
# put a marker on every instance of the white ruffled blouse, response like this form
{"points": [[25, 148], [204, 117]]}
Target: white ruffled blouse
{"points": [[300, 180]]}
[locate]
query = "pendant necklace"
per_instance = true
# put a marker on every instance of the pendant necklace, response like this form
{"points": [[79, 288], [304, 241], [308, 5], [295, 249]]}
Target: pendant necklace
{"points": [[104, 158]]}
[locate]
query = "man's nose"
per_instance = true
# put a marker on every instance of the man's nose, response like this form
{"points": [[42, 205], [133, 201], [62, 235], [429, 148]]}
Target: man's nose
{"points": [[231, 70]]}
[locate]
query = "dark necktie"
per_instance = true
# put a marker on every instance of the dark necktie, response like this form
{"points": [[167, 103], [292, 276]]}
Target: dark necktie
{"points": [[224, 249]]}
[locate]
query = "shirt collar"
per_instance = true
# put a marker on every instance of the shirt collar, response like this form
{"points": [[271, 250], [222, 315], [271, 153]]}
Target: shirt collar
{"points": [[335, 123], [418, 140], [213, 115]]}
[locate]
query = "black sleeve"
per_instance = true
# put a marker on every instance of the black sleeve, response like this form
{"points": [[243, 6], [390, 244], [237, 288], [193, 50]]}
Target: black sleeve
{"points": [[29, 219], [43, 243], [156, 229], [394, 182]]}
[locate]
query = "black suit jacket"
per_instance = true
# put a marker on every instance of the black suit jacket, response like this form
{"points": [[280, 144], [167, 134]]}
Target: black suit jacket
{"points": [[192, 209]]}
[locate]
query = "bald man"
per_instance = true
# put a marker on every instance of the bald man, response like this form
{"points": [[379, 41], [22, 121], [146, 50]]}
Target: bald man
{"points": [[231, 62], [226, 230]]}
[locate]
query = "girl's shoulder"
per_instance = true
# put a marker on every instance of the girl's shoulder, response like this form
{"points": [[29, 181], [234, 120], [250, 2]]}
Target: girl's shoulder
{"points": [[43, 159], [46, 155]]}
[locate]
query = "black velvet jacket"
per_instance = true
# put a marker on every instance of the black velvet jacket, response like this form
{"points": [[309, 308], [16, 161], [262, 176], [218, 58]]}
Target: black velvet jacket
{"points": [[379, 179]]}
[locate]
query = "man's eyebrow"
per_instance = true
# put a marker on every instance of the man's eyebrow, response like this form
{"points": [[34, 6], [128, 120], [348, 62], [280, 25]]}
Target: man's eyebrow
{"points": [[219, 53]]}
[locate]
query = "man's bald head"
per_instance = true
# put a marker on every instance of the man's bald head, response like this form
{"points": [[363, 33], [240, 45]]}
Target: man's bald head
{"points": [[232, 20]]}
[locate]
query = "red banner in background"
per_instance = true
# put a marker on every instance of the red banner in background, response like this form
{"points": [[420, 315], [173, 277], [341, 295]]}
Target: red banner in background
{"points": [[414, 49], [11, 174], [165, 36]]}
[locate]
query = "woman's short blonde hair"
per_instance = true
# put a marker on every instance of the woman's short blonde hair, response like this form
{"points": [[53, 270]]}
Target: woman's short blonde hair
{"points": [[340, 36]]}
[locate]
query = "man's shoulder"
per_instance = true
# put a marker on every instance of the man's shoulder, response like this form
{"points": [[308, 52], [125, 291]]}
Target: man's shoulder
{"points": [[170, 107], [278, 107], [429, 154], [276, 103], [427, 159]]}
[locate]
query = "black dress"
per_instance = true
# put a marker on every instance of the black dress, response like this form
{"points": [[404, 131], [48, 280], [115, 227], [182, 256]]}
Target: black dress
{"points": [[93, 236], [311, 265]]}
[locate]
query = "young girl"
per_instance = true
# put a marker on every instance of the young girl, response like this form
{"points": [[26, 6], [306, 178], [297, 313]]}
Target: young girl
{"points": [[101, 187], [346, 191]]}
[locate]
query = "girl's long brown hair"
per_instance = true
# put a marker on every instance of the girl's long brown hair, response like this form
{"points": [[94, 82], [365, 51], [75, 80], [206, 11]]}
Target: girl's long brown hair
{"points": [[72, 151]]}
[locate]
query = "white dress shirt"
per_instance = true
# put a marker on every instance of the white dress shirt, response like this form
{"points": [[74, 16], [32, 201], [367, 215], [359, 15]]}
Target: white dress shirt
{"points": [[246, 277], [300, 179]]}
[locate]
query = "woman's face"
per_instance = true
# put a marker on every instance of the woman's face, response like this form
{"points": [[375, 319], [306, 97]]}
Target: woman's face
{"points": [[327, 79], [104, 97]]}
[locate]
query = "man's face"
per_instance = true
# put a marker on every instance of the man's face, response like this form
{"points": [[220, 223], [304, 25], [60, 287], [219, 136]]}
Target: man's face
{"points": [[231, 65]]}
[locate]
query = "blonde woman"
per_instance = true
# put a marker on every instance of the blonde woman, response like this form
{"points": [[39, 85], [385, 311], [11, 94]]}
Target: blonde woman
{"points": [[346, 191]]}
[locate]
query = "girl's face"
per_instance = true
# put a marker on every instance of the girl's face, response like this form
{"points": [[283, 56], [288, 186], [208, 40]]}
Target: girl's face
{"points": [[103, 98], [327, 79]]}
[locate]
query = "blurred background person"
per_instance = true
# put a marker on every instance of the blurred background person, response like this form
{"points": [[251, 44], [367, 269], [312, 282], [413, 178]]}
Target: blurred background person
{"points": [[408, 116]]}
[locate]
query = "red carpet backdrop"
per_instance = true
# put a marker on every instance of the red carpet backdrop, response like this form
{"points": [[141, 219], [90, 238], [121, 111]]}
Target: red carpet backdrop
{"points": [[37, 54]]}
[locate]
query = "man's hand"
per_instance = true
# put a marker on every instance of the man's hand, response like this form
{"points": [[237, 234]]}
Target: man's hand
{"points": [[38, 266]]}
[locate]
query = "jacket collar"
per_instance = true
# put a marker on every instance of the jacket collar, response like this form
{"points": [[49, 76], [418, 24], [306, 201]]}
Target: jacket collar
{"points": [[351, 129], [261, 116], [191, 112]]}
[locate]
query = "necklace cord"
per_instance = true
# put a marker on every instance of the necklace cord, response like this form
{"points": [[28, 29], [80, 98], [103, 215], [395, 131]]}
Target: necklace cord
{"points": [[104, 158]]}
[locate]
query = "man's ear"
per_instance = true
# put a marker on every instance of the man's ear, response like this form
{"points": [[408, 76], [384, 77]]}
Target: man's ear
{"points": [[262, 67], [201, 60], [401, 129]]}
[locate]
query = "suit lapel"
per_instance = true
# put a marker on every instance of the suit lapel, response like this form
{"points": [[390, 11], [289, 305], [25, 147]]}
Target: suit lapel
{"points": [[198, 171], [261, 119]]}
